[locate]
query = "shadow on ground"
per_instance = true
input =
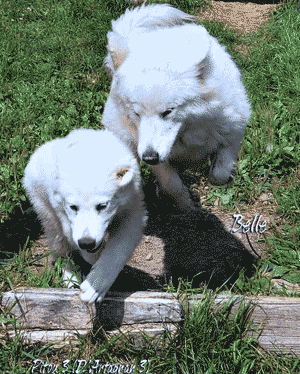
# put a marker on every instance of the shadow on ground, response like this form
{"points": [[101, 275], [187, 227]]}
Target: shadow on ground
{"points": [[193, 242]]}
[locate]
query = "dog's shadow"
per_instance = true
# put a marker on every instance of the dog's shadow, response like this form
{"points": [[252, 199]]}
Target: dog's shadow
{"points": [[197, 242], [197, 248], [21, 225]]}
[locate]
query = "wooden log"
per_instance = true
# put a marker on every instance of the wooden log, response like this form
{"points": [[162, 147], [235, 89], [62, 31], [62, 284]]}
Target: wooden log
{"points": [[279, 318], [50, 315]]}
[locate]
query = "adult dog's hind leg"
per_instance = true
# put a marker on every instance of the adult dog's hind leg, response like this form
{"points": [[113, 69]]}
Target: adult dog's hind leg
{"points": [[171, 184]]}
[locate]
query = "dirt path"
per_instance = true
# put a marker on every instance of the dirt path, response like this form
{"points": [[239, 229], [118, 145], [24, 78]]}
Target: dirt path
{"points": [[246, 18]]}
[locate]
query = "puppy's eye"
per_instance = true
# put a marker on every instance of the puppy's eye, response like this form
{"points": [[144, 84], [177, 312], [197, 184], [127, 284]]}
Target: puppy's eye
{"points": [[74, 208], [164, 114], [137, 114], [100, 207]]}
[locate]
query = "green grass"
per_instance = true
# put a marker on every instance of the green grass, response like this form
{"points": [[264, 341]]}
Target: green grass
{"points": [[52, 81]]}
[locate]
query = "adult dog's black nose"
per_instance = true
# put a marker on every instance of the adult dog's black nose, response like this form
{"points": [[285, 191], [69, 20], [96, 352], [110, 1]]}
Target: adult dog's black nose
{"points": [[87, 244], [151, 157]]}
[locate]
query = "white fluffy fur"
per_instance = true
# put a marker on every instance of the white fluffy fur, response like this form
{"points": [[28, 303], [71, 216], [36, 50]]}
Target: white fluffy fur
{"points": [[81, 186], [176, 96]]}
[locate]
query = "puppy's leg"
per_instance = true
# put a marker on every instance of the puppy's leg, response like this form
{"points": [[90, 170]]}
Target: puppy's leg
{"points": [[53, 229], [69, 274], [120, 246], [223, 166], [171, 183]]}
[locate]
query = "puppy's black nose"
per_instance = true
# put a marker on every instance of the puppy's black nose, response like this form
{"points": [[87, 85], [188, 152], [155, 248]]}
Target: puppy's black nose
{"points": [[151, 157], [88, 244]]}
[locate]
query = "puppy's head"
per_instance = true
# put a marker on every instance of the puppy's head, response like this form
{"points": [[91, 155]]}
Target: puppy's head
{"points": [[97, 180]]}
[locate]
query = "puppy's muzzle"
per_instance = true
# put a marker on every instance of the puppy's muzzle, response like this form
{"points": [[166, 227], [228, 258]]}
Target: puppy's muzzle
{"points": [[151, 157], [88, 244]]}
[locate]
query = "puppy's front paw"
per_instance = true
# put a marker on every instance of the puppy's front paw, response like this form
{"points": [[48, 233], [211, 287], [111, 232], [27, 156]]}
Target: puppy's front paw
{"points": [[89, 294]]}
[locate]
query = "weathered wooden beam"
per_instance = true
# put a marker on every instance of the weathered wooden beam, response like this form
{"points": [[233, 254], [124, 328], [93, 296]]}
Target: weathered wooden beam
{"points": [[50, 315]]}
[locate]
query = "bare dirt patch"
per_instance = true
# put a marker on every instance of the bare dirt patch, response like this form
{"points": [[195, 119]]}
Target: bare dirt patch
{"points": [[244, 18]]}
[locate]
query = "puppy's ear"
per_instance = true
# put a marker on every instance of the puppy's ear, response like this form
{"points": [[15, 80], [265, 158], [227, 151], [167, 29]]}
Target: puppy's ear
{"points": [[204, 69], [117, 48], [57, 198], [124, 175]]}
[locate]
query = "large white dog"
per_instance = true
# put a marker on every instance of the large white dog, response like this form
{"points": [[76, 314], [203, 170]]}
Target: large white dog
{"points": [[176, 96], [86, 189]]}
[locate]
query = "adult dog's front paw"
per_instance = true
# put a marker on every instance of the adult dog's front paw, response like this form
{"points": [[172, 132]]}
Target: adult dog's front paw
{"points": [[89, 294]]}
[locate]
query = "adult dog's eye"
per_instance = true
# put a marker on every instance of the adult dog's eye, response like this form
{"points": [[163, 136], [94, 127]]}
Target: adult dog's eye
{"points": [[164, 114], [100, 207], [74, 208]]}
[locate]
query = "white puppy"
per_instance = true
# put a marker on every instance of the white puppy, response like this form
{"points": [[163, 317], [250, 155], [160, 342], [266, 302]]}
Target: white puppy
{"points": [[86, 189], [176, 96]]}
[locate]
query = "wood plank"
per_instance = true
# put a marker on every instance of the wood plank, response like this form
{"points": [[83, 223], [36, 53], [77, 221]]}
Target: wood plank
{"points": [[52, 314], [49, 308], [279, 318]]}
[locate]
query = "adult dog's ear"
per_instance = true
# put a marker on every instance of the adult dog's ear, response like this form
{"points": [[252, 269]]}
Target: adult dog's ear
{"points": [[117, 48]]}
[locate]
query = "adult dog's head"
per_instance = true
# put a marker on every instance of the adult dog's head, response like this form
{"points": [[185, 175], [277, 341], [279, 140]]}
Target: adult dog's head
{"points": [[159, 81]]}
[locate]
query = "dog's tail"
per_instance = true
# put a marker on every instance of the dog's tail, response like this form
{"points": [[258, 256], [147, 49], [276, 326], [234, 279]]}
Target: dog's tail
{"points": [[145, 18]]}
